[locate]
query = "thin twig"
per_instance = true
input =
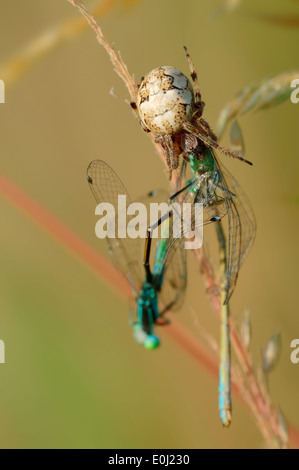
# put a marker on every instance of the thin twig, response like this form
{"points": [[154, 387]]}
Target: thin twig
{"points": [[118, 64], [121, 70], [104, 270], [263, 412]]}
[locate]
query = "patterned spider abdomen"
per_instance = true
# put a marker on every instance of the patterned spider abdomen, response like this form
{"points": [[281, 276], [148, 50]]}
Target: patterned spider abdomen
{"points": [[165, 100]]}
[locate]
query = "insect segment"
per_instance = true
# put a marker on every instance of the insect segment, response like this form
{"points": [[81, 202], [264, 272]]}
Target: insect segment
{"points": [[165, 285], [222, 198], [221, 195], [147, 302], [167, 105]]}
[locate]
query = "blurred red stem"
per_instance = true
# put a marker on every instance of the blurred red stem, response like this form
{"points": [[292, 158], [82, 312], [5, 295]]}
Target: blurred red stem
{"points": [[107, 273]]}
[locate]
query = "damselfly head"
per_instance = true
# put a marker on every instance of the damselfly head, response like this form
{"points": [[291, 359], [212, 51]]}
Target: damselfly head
{"points": [[151, 342], [165, 100]]}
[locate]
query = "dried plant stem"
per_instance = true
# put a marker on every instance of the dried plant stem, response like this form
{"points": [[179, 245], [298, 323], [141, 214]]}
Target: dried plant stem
{"points": [[261, 94], [102, 268], [119, 65], [248, 385], [263, 412]]}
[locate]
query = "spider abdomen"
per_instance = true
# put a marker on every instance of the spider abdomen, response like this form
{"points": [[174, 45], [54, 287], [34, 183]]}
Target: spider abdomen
{"points": [[165, 100]]}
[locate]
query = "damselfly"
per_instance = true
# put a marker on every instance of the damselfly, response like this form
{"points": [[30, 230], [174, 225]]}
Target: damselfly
{"points": [[222, 198], [155, 291], [167, 105]]}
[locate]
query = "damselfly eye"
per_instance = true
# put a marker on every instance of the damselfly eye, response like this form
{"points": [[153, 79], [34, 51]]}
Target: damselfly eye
{"points": [[151, 342], [139, 334], [165, 100]]}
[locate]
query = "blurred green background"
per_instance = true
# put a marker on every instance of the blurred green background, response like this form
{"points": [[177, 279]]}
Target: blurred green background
{"points": [[73, 376]]}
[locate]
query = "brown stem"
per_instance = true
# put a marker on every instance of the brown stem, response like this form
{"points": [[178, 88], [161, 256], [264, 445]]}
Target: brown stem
{"points": [[263, 413], [102, 268]]}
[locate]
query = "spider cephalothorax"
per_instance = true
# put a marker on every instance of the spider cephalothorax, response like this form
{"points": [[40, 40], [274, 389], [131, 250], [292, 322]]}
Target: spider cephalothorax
{"points": [[167, 105]]}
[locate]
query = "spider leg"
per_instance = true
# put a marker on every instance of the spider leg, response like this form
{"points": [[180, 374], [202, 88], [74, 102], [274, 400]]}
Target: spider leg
{"points": [[214, 142], [203, 131], [204, 125], [172, 158], [175, 160], [198, 102], [229, 153]]}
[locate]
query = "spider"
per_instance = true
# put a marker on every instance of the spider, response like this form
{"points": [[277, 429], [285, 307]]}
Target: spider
{"points": [[167, 105]]}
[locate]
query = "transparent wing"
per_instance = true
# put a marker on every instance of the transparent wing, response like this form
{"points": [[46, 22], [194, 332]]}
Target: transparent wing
{"points": [[169, 272], [127, 253], [220, 196], [208, 191], [212, 196], [241, 228], [175, 277]]}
